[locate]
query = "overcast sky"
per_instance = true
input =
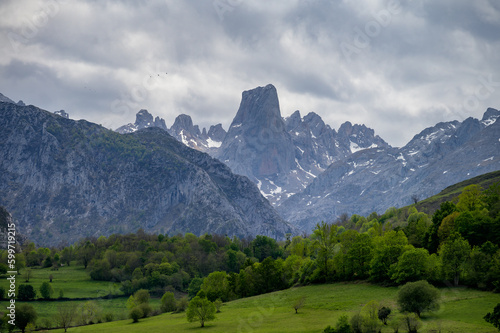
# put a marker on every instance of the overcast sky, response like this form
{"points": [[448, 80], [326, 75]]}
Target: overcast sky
{"points": [[395, 66]]}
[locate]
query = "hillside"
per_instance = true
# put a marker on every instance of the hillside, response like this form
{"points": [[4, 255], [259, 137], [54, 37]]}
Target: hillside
{"points": [[63, 179], [461, 311], [431, 204]]}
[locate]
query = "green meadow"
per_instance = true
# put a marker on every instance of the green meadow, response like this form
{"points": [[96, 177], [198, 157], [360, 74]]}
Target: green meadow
{"points": [[461, 310]]}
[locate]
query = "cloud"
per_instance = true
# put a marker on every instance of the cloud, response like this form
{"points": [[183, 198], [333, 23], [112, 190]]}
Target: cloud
{"points": [[396, 66]]}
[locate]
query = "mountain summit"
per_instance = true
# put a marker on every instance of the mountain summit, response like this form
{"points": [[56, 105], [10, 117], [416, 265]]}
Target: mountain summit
{"points": [[257, 144]]}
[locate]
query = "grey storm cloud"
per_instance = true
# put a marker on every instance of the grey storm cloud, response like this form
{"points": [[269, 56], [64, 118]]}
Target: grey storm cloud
{"points": [[397, 66]]}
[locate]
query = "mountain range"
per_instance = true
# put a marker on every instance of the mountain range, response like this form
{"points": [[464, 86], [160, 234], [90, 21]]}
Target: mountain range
{"points": [[311, 172], [65, 178]]}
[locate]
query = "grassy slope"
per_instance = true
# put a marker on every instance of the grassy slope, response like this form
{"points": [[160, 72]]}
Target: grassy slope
{"points": [[430, 205], [461, 311]]}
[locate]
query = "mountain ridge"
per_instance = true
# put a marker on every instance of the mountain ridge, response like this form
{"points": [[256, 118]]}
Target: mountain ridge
{"points": [[75, 178]]}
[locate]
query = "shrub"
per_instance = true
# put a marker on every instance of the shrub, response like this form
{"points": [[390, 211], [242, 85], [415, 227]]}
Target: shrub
{"points": [[135, 314], [383, 314], [182, 304], [418, 297], [146, 309], [494, 317], [218, 305], [168, 303], [46, 290], [411, 322]]}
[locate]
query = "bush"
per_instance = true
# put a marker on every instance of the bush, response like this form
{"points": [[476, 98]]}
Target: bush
{"points": [[218, 305], [2, 292], [383, 314], [494, 317], [146, 309], [135, 314], [411, 322], [182, 304], [168, 303], [26, 292], [108, 316], [343, 325], [46, 290], [357, 323], [418, 297]]}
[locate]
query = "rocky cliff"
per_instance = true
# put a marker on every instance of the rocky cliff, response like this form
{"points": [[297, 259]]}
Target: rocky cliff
{"points": [[65, 179]]}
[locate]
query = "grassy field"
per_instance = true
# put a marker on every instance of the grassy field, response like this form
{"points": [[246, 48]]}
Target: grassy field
{"points": [[462, 310], [73, 280]]}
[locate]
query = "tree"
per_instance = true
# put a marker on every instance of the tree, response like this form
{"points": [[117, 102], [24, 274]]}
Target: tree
{"points": [[411, 266], [46, 290], [135, 313], [386, 253], [418, 297], [27, 274], [494, 317], [383, 314], [139, 297], [194, 286], [200, 309], [471, 198], [215, 285], [88, 312], [218, 305], [26, 292], [66, 315], [168, 303], [86, 253], [411, 322], [25, 314], [454, 254], [325, 237], [299, 303]]}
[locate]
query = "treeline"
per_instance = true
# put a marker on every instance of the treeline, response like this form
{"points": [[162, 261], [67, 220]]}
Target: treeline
{"points": [[458, 244]]}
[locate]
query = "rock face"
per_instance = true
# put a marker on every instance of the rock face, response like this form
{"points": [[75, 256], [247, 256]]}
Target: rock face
{"points": [[187, 133], [61, 113], [65, 179], [257, 144], [143, 119], [283, 156], [378, 178]]}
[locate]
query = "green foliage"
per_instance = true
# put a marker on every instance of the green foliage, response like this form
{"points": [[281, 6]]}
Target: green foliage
{"points": [[412, 265], [182, 304], [194, 287], [215, 285], [200, 309], [411, 322], [418, 297], [299, 303], [342, 326], [455, 254], [135, 314], [471, 198], [146, 309], [168, 303], [383, 314], [26, 292], [25, 314], [218, 305], [46, 290], [325, 237], [494, 317]]}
